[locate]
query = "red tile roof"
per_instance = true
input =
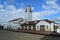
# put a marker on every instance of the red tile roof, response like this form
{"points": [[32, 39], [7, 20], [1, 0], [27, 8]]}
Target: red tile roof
{"points": [[15, 19], [31, 22], [49, 21], [36, 21]]}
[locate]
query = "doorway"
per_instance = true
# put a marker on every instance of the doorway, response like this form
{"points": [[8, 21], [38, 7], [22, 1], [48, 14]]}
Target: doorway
{"points": [[29, 28], [42, 27]]}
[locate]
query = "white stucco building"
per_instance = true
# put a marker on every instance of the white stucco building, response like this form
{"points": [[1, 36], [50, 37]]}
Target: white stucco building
{"points": [[40, 25], [26, 23], [14, 24], [46, 25]]}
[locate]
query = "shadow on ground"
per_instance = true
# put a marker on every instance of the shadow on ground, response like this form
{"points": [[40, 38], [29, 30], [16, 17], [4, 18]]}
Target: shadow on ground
{"points": [[50, 38]]}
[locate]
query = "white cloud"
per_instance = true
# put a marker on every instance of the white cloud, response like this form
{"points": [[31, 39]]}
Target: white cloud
{"points": [[10, 12], [50, 8], [11, 9], [39, 15], [1, 6], [52, 4], [20, 10], [32, 8], [21, 4], [57, 19], [36, 15], [45, 7]]}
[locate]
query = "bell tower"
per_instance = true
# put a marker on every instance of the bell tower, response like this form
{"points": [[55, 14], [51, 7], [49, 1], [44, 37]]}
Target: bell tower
{"points": [[28, 13]]}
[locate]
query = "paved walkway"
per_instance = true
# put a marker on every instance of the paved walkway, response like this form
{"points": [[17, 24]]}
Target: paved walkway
{"points": [[9, 35], [38, 32]]}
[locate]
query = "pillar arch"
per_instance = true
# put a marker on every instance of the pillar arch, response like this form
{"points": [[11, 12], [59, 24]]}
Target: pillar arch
{"points": [[23, 27], [27, 27], [31, 27], [34, 27]]}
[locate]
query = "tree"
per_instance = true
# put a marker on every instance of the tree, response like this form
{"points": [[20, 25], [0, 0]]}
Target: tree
{"points": [[0, 25]]}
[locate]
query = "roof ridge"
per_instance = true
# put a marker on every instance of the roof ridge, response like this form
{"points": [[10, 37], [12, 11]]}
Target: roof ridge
{"points": [[15, 19]]}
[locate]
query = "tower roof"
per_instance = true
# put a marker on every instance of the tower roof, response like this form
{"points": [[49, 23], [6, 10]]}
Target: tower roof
{"points": [[28, 6]]}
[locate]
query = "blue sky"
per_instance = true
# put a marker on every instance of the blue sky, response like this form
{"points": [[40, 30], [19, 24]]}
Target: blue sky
{"points": [[41, 9]]}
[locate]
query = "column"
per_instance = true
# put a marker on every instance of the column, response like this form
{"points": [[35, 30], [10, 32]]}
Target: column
{"points": [[24, 27], [27, 27], [31, 27]]}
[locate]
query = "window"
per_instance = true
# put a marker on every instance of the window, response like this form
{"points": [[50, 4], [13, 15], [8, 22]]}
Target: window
{"points": [[14, 22], [29, 26], [15, 26], [19, 23], [33, 25], [37, 27], [47, 27]]}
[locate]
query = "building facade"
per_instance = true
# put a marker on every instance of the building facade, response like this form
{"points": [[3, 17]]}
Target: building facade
{"points": [[40, 25], [26, 23], [14, 24], [30, 25]]}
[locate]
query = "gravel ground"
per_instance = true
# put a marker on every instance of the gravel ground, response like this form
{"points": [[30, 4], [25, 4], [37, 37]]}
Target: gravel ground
{"points": [[8, 35]]}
